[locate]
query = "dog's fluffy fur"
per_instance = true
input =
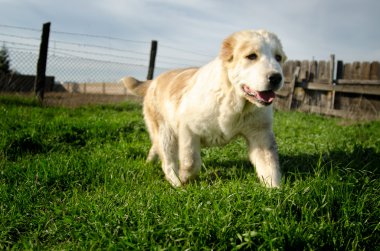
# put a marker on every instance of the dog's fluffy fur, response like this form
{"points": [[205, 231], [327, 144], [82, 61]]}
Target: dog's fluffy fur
{"points": [[230, 96]]}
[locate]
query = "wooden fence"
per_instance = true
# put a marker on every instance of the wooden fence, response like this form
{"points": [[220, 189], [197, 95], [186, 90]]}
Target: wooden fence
{"points": [[349, 90]]}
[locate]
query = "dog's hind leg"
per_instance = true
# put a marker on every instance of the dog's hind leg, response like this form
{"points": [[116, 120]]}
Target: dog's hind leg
{"points": [[152, 155], [152, 124], [168, 150], [164, 143]]}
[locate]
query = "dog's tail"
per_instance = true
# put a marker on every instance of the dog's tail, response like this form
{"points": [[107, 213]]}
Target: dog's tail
{"points": [[135, 87]]}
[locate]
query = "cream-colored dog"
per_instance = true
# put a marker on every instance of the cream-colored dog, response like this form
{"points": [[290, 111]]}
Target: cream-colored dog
{"points": [[230, 96]]}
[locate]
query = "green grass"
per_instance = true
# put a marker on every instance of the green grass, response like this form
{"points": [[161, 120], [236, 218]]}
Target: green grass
{"points": [[77, 179]]}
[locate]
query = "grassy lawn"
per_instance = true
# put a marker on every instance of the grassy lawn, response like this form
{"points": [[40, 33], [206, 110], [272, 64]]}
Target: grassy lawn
{"points": [[77, 179]]}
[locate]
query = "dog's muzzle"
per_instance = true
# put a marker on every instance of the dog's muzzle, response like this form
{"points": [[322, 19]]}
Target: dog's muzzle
{"points": [[262, 97]]}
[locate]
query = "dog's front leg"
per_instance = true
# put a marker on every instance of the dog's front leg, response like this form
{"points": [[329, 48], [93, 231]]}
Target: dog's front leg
{"points": [[189, 154], [263, 155]]}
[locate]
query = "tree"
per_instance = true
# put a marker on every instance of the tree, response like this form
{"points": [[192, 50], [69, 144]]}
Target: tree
{"points": [[4, 61]]}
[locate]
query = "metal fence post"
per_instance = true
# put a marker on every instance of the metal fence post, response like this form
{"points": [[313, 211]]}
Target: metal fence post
{"points": [[39, 84], [152, 60]]}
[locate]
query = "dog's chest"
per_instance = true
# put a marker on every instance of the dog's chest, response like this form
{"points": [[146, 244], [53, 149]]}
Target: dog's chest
{"points": [[222, 129], [218, 122], [216, 138]]}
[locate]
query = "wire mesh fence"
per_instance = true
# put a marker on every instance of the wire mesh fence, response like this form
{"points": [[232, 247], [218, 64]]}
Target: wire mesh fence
{"points": [[89, 75], [82, 63], [66, 70], [22, 79]]}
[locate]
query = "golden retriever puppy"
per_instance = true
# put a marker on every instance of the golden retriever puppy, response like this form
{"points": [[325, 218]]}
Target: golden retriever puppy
{"points": [[231, 96]]}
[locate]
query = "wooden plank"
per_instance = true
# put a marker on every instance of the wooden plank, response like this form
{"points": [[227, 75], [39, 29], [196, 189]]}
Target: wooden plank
{"points": [[297, 65], [365, 70], [347, 71], [327, 71], [322, 73], [313, 70], [304, 72], [355, 70], [292, 85], [375, 71], [287, 70], [320, 110], [359, 89], [338, 113], [318, 86], [357, 82]]}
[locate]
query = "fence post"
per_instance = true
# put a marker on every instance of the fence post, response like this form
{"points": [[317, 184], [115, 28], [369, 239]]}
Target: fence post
{"points": [[152, 60], [331, 80], [292, 85], [339, 69], [39, 84]]}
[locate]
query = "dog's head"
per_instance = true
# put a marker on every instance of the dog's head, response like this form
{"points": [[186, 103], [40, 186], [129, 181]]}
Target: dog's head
{"points": [[253, 60]]}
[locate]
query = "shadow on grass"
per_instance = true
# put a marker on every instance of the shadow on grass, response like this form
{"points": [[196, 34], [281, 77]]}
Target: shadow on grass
{"points": [[22, 146], [361, 160]]}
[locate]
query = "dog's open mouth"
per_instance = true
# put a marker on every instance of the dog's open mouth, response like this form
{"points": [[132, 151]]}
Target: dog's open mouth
{"points": [[263, 97]]}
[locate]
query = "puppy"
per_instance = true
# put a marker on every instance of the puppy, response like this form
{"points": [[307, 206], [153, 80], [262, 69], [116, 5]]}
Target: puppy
{"points": [[231, 96]]}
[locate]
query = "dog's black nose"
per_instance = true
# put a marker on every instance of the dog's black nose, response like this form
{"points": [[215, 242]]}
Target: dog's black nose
{"points": [[275, 79]]}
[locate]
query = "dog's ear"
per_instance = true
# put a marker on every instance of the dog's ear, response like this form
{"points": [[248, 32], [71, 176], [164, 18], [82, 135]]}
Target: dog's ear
{"points": [[227, 50], [284, 58]]}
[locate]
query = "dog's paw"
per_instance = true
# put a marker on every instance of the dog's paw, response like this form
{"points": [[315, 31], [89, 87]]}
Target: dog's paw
{"points": [[174, 181]]}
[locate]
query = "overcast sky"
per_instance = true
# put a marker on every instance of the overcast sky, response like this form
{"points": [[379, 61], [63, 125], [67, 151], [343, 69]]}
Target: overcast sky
{"points": [[307, 28]]}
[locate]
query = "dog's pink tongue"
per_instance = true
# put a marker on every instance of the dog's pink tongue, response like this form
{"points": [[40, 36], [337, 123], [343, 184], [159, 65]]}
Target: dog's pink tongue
{"points": [[266, 96]]}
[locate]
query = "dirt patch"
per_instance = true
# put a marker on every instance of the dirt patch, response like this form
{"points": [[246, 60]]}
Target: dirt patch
{"points": [[78, 99]]}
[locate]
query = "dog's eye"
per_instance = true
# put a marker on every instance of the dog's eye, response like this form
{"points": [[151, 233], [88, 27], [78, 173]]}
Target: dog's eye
{"points": [[278, 58], [252, 56]]}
